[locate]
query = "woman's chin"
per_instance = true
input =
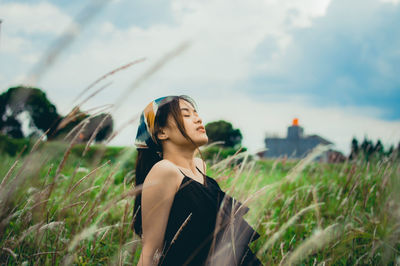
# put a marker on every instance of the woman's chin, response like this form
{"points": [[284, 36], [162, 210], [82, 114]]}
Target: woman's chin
{"points": [[202, 141]]}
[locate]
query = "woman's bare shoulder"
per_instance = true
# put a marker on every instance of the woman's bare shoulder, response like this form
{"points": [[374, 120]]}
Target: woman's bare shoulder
{"points": [[164, 172]]}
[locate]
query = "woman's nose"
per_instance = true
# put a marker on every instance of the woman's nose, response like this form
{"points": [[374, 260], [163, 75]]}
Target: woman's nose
{"points": [[198, 118]]}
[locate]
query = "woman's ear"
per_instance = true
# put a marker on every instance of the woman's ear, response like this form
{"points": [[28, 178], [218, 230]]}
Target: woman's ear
{"points": [[162, 134]]}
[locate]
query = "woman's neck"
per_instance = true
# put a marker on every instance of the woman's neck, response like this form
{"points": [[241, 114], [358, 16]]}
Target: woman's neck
{"points": [[181, 157]]}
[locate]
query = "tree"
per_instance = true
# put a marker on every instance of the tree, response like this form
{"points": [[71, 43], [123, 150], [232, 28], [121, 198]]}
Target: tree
{"points": [[398, 150], [354, 149], [43, 116], [223, 131], [390, 151], [101, 125], [105, 124], [367, 148], [16, 100], [379, 149]]}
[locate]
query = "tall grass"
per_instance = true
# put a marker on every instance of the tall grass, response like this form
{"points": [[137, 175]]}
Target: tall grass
{"points": [[58, 207]]}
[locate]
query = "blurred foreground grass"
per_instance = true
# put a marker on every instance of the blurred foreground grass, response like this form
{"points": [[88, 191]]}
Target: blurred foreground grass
{"points": [[59, 207]]}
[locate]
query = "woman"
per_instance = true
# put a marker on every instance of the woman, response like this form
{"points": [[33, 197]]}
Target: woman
{"points": [[182, 215]]}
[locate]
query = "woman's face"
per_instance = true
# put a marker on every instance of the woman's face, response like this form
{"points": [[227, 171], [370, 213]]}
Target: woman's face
{"points": [[193, 125]]}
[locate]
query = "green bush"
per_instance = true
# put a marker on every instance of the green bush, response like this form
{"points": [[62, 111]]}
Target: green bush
{"points": [[12, 146]]}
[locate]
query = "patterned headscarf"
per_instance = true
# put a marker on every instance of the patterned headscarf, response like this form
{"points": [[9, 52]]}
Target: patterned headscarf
{"points": [[145, 135]]}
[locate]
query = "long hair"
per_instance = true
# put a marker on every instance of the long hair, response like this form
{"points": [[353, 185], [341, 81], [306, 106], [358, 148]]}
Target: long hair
{"points": [[147, 158]]}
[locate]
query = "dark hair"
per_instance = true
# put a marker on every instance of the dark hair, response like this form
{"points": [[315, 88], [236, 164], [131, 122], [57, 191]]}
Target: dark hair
{"points": [[147, 158]]}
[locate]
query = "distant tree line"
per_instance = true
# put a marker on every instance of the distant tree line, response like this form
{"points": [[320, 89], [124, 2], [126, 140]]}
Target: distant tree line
{"points": [[30, 105], [43, 116], [369, 150]]}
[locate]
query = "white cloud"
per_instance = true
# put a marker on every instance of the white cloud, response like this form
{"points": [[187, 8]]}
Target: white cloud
{"points": [[26, 31], [107, 28], [223, 34], [391, 1], [12, 44], [42, 18]]}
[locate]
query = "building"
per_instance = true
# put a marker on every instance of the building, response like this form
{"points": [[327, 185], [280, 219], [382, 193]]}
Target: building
{"points": [[296, 145]]}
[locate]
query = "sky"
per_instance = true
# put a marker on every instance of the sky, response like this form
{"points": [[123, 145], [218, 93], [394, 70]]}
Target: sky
{"points": [[257, 64]]}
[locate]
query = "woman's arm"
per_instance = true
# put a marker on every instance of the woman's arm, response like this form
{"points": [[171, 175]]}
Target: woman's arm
{"points": [[157, 198]]}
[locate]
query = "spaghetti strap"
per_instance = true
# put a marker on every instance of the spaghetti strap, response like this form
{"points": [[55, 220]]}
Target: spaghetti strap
{"points": [[181, 171], [197, 169], [200, 171], [204, 177]]}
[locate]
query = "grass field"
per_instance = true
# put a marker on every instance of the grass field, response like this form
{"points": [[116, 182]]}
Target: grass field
{"points": [[59, 207]]}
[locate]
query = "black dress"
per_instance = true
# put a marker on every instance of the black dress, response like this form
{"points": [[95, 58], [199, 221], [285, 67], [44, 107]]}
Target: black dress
{"points": [[206, 227]]}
